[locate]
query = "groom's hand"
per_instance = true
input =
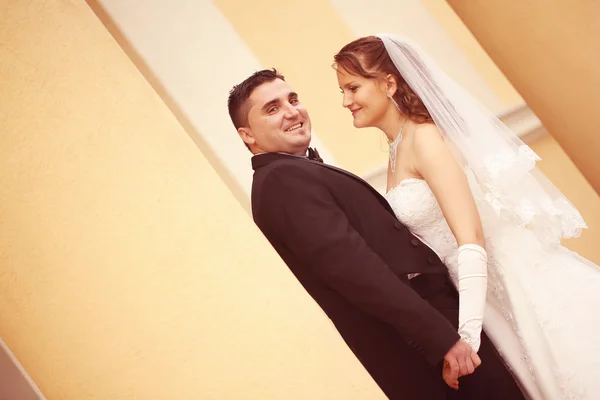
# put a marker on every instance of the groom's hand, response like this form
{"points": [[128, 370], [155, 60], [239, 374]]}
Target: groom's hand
{"points": [[460, 360]]}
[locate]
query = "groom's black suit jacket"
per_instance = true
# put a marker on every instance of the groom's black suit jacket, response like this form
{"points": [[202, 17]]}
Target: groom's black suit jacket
{"points": [[342, 241]]}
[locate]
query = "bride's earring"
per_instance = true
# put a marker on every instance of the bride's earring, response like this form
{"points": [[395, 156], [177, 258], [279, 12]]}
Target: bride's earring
{"points": [[394, 101]]}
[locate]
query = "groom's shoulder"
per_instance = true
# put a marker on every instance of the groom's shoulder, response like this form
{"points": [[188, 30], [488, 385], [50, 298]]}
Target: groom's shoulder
{"points": [[285, 172], [286, 166], [283, 179]]}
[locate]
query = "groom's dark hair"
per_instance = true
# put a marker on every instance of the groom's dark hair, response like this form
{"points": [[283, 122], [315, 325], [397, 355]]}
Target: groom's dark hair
{"points": [[237, 103], [239, 94]]}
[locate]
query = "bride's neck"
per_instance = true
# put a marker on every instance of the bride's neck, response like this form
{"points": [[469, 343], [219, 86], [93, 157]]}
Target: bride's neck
{"points": [[391, 123]]}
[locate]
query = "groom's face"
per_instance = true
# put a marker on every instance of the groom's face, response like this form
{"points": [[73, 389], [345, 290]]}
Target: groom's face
{"points": [[277, 121]]}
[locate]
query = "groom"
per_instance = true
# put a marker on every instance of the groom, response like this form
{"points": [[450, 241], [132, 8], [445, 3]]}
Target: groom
{"points": [[343, 243]]}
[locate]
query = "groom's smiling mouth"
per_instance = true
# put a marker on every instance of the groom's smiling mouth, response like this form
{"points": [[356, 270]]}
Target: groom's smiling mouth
{"points": [[294, 127]]}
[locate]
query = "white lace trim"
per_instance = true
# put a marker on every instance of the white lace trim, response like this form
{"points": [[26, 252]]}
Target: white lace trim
{"points": [[507, 194]]}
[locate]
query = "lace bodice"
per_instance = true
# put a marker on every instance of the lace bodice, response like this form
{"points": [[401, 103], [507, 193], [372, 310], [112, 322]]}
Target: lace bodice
{"points": [[416, 207]]}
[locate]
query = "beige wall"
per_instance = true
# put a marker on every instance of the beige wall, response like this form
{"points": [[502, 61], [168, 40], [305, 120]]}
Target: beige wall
{"points": [[128, 268], [472, 50], [555, 68]]}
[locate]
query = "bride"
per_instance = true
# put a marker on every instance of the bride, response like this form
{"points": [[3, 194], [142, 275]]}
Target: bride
{"points": [[468, 187]]}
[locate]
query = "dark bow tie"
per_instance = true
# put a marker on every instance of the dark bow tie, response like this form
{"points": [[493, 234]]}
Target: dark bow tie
{"points": [[313, 155]]}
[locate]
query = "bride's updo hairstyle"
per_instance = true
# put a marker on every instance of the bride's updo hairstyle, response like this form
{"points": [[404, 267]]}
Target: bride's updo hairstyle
{"points": [[367, 57]]}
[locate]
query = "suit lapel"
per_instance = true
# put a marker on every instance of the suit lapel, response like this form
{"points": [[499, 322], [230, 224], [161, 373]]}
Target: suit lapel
{"points": [[358, 179]]}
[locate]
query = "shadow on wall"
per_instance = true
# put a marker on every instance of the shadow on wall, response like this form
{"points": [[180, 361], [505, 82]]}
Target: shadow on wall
{"points": [[14, 381]]}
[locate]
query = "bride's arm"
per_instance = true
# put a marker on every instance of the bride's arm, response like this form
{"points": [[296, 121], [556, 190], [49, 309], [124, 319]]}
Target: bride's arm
{"points": [[438, 167]]}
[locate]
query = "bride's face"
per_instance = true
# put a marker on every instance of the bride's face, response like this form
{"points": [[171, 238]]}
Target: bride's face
{"points": [[365, 98]]}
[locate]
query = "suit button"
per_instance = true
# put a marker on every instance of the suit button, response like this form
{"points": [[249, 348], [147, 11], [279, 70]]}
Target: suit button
{"points": [[415, 242]]}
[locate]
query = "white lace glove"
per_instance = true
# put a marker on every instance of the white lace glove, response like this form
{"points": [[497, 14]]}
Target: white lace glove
{"points": [[472, 287]]}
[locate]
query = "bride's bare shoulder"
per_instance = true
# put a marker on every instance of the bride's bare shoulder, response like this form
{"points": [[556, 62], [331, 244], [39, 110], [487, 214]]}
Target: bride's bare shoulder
{"points": [[427, 139]]}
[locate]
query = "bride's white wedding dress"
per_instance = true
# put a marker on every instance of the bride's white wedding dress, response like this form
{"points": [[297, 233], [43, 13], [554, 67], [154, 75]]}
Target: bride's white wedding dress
{"points": [[543, 315]]}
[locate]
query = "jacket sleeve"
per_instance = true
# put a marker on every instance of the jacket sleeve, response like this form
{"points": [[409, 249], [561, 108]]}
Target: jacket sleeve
{"points": [[299, 209]]}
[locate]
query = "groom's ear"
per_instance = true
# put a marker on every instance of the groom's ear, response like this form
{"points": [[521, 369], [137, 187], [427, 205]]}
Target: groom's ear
{"points": [[247, 136], [392, 84]]}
